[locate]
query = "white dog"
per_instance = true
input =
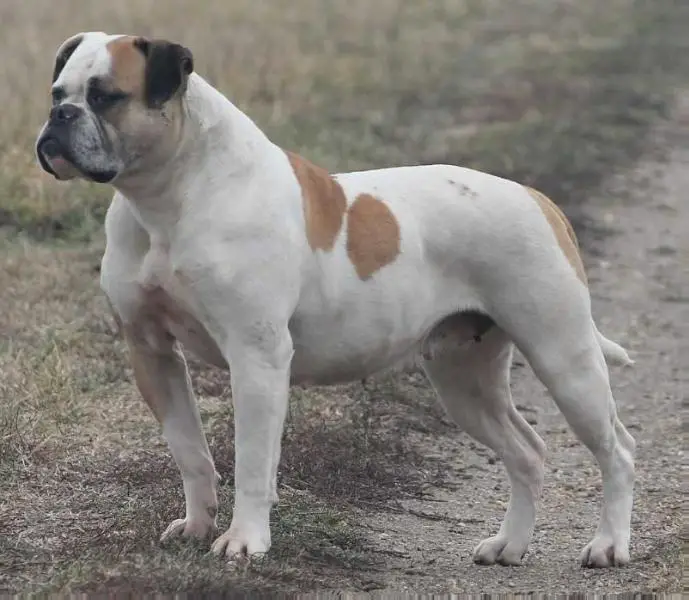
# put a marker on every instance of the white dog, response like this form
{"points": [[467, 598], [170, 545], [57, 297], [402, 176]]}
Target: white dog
{"points": [[256, 258]]}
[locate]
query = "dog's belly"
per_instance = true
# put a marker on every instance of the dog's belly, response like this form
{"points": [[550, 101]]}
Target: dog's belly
{"points": [[338, 346], [322, 362], [318, 357], [353, 356]]}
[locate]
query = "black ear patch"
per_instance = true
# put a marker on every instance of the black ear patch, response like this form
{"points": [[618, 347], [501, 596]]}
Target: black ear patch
{"points": [[168, 67], [65, 51]]}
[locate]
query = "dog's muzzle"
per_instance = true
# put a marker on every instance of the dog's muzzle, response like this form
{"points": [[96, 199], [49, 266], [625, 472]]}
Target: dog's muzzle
{"points": [[53, 147]]}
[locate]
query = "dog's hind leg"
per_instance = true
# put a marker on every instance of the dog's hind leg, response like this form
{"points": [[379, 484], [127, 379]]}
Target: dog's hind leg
{"points": [[472, 382], [556, 333], [577, 377]]}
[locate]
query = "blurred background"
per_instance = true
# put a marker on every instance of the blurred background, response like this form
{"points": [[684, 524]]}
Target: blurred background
{"points": [[549, 92], [556, 94]]}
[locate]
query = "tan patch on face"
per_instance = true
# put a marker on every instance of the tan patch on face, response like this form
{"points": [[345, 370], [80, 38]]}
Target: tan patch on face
{"points": [[563, 230], [324, 202], [373, 235], [128, 66]]}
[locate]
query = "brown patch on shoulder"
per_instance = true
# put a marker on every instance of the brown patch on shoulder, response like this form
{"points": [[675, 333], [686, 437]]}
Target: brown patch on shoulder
{"points": [[128, 65], [373, 235], [563, 230], [324, 202]]}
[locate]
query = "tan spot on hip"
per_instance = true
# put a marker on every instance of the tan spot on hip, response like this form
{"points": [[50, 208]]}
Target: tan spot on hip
{"points": [[128, 66], [324, 202], [373, 235], [563, 231]]}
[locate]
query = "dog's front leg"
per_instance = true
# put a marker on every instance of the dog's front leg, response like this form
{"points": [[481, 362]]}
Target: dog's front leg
{"points": [[162, 378], [260, 373]]}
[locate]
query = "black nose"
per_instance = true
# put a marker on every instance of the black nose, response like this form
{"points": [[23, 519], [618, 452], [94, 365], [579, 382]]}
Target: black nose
{"points": [[64, 113]]}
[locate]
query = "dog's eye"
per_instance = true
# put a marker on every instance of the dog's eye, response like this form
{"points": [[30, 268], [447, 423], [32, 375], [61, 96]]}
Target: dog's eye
{"points": [[100, 99]]}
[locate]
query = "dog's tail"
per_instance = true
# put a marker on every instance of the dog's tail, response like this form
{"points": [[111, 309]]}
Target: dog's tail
{"points": [[614, 353]]}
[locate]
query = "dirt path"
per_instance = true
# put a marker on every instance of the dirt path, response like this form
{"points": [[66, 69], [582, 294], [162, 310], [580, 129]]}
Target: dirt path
{"points": [[638, 261]]}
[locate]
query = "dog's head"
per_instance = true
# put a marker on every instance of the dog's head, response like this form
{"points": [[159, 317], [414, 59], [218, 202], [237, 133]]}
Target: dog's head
{"points": [[116, 100]]}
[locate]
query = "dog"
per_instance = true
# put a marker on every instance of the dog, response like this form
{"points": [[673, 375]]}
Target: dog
{"points": [[254, 258]]}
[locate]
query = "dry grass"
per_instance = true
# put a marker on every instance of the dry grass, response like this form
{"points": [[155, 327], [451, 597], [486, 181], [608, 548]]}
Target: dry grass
{"points": [[553, 93], [355, 84]]}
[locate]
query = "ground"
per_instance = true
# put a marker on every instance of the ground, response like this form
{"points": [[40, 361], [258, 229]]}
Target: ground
{"points": [[379, 491]]}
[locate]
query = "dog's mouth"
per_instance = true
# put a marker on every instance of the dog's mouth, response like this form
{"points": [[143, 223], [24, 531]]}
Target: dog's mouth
{"points": [[54, 159], [59, 162]]}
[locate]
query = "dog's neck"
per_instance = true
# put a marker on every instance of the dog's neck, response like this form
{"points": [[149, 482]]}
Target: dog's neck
{"points": [[212, 127]]}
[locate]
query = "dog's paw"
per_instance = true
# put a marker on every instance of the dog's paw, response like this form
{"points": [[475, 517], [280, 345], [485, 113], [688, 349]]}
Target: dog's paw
{"points": [[241, 543], [603, 552], [189, 528], [499, 550]]}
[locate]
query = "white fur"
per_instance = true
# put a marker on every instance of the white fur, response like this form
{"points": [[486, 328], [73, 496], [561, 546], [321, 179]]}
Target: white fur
{"points": [[210, 251]]}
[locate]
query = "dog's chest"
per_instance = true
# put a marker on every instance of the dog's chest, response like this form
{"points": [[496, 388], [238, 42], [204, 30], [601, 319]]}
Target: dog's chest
{"points": [[166, 301]]}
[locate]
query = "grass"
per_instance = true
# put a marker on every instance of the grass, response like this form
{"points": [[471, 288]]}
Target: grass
{"points": [[553, 93]]}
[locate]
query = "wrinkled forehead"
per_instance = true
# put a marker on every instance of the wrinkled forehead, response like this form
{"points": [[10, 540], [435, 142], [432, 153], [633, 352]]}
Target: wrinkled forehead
{"points": [[113, 59]]}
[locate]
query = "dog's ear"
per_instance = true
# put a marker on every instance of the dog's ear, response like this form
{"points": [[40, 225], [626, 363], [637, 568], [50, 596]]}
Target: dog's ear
{"points": [[65, 50], [168, 66]]}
